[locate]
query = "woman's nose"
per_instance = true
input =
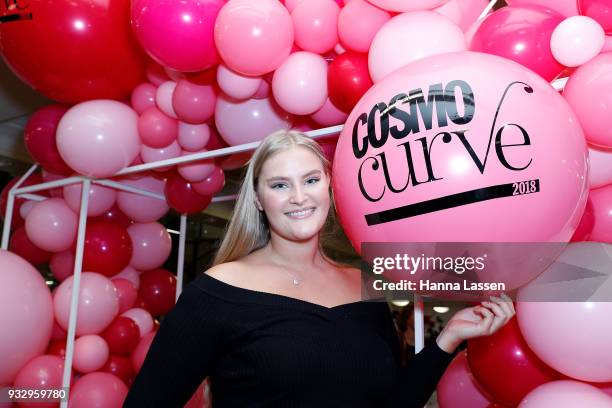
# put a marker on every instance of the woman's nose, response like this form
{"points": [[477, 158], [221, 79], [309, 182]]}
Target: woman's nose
{"points": [[298, 195]]}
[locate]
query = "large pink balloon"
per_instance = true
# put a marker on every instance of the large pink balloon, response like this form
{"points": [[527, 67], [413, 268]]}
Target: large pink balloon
{"points": [[315, 24], [589, 93], [258, 118], [458, 387], [152, 245], [160, 27], [236, 85], [98, 390], [101, 198], [300, 83], [98, 138], [409, 37], [403, 5], [567, 8], [141, 208], [42, 372], [566, 394], [253, 37], [90, 353], [404, 173], [98, 303], [358, 23], [51, 225], [26, 314]]}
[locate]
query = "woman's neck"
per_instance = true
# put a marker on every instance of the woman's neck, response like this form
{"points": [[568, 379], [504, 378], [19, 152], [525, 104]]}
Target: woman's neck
{"points": [[295, 254]]}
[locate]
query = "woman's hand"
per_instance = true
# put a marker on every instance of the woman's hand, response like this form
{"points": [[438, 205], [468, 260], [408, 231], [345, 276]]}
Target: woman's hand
{"points": [[481, 320]]}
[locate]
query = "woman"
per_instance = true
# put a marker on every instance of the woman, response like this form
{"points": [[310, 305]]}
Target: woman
{"points": [[275, 323]]}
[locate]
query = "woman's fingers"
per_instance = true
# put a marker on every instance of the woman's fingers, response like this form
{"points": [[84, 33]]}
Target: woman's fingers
{"points": [[487, 318], [499, 316]]}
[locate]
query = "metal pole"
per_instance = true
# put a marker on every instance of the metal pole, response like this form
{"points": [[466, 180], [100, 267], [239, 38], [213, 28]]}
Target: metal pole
{"points": [[419, 324], [10, 203], [180, 267]]}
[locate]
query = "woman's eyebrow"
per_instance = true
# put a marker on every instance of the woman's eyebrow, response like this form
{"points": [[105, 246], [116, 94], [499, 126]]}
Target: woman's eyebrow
{"points": [[310, 173]]}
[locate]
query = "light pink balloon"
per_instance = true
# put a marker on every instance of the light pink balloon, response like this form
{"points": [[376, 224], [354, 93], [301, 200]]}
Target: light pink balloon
{"points": [[130, 274], [143, 97], [258, 118], [98, 390], [196, 171], [51, 225], [127, 293], [141, 208], [101, 198], [600, 172], [253, 38], [26, 314], [194, 103], [329, 115], [315, 25], [142, 318], [98, 138], [42, 372], [98, 303], [193, 137], [141, 350], [409, 37], [156, 129], [403, 5], [290, 4], [152, 245], [577, 40], [588, 92], [459, 388], [566, 394], [236, 85], [607, 45], [358, 23], [163, 98], [90, 353], [300, 83], [566, 7], [150, 154], [62, 265], [462, 12], [25, 208]]}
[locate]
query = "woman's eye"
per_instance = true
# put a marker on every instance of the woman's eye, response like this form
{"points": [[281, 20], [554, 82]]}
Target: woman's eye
{"points": [[275, 186], [312, 181]]}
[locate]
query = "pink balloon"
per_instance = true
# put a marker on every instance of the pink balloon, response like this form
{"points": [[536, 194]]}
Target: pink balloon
{"points": [[329, 115], [98, 390], [157, 129], [576, 40], [525, 37], [62, 265], [402, 5], [130, 274], [150, 154], [212, 184], [101, 198], [163, 98], [601, 198], [152, 245], [358, 23], [127, 293], [142, 318], [156, 73], [90, 353], [258, 118], [300, 83], [140, 352], [196, 171], [462, 12], [98, 303], [25, 208], [51, 225], [253, 38], [599, 10], [57, 333], [98, 138], [143, 97], [263, 92], [194, 103], [47, 176], [409, 37], [193, 137], [315, 25], [567, 8], [42, 372], [600, 162], [415, 203], [566, 394], [589, 93], [26, 315], [141, 208], [236, 85], [459, 388]]}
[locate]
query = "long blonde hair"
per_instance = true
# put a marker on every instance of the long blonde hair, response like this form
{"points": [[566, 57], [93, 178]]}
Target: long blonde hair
{"points": [[248, 228]]}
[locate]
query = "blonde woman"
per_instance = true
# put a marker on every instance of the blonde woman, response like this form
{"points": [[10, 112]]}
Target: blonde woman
{"points": [[276, 323]]}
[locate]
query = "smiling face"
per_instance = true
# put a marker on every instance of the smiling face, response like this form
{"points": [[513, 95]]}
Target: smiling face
{"points": [[293, 190]]}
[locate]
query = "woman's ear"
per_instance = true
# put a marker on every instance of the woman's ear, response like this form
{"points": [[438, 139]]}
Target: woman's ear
{"points": [[257, 203]]}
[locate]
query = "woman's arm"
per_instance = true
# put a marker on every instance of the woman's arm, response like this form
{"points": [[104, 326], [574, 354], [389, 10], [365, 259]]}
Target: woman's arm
{"points": [[181, 354]]}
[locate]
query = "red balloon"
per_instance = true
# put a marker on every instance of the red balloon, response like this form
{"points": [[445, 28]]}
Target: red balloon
{"points": [[22, 246], [234, 161], [157, 291], [521, 34], [57, 348], [108, 248], [17, 221], [215, 141], [127, 293], [122, 335], [183, 198], [348, 78], [212, 184], [505, 367], [120, 366], [39, 136], [73, 51], [114, 215], [58, 332]]}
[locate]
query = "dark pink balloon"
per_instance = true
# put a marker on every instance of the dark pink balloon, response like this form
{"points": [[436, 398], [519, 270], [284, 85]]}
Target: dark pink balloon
{"points": [[212, 184], [143, 97], [140, 352], [183, 198], [521, 34], [98, 389], [62, 265], [156, 129], [42, 372], [127, 293], [21, 245], [598, 10], [194, 103], [39, 136]]}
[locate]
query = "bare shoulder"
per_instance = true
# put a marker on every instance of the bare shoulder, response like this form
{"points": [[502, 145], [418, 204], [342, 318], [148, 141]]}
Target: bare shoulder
{"points": [[228, 272]]}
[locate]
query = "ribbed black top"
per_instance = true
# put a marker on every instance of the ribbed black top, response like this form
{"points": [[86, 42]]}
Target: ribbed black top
{"points": [[267, 350]]}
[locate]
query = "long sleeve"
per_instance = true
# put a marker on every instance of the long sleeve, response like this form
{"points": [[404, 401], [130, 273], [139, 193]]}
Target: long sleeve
{"points": [[417, 381], [181, 355]]}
